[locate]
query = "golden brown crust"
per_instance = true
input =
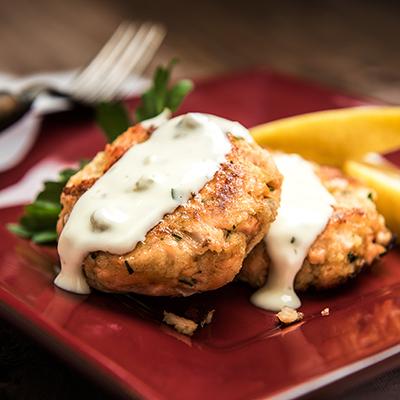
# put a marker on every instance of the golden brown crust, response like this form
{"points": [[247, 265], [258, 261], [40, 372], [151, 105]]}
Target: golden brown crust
{"points": [[87, 176], [355, 236], [202, 244]]}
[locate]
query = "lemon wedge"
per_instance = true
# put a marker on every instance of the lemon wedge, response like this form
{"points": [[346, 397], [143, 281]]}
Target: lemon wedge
{"points": [[385, 180], [333, 136]]}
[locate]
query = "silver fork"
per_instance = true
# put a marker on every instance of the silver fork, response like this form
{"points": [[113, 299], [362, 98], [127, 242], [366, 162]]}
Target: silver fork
{"points": [[129, 50]]}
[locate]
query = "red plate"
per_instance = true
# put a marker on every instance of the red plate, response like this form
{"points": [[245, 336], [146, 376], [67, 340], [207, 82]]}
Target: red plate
{"points": [[242, 354]]}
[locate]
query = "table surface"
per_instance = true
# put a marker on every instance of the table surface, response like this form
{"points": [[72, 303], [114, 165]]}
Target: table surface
{"points": [[350, 45]]}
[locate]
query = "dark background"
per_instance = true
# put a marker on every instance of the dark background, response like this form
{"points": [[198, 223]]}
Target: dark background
{"points": [[347, 44], [351, 45]]}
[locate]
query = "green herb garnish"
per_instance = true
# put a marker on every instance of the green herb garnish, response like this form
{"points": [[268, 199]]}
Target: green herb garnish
{"points": [[113, 118], [160, 96], [176, 237], [173, 193], [39, 220], [352, 257], [188, 281], [129, 268]]}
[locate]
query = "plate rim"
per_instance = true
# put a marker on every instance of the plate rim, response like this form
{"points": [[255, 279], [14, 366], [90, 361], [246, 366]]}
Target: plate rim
{"points": [[87, 360], [60, 344]]}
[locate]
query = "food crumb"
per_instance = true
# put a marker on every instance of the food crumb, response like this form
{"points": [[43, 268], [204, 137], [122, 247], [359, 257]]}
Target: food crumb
{"points": [[207, 319], [289, 315], [182, 325], [325, 312]]}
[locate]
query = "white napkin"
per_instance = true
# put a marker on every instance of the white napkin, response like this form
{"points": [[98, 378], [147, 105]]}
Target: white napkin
{"points": [[26, 189], [18, 139]]}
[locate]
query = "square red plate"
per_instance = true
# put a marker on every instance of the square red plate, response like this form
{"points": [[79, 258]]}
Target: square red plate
{"points": [[242, 354]]}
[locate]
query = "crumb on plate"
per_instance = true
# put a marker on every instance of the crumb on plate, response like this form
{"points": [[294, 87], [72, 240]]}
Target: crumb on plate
{"points": [[187, 326], [289, 315], [181, 324], [325, 312], [207, 319]]}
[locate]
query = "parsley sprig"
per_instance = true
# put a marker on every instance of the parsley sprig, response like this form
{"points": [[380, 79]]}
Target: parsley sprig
{"points": [[160, 96], [39, 220], [114, 118]]}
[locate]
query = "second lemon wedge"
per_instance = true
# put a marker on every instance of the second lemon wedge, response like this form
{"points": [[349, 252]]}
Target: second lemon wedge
{"points": [[333, 136], [385, 180]]}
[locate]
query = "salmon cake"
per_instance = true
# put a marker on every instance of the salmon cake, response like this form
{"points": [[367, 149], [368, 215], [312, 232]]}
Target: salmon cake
{"points": [[201, 244], [354, 237]]}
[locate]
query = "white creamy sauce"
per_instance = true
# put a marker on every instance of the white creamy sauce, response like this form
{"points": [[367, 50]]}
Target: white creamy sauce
{"points": [[304, 212], [158, 120], [150, 180], [235, 128]]}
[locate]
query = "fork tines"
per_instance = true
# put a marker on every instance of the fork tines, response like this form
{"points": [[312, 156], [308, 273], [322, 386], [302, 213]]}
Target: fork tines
{"points": [[129, 51]]}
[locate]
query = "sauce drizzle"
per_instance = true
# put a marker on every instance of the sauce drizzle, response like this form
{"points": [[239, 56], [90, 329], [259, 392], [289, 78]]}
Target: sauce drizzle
{"points": [[304, 211]]}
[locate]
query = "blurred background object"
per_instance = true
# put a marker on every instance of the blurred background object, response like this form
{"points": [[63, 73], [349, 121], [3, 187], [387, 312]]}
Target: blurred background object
{"points": [[351, 45], [123, 58]]}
